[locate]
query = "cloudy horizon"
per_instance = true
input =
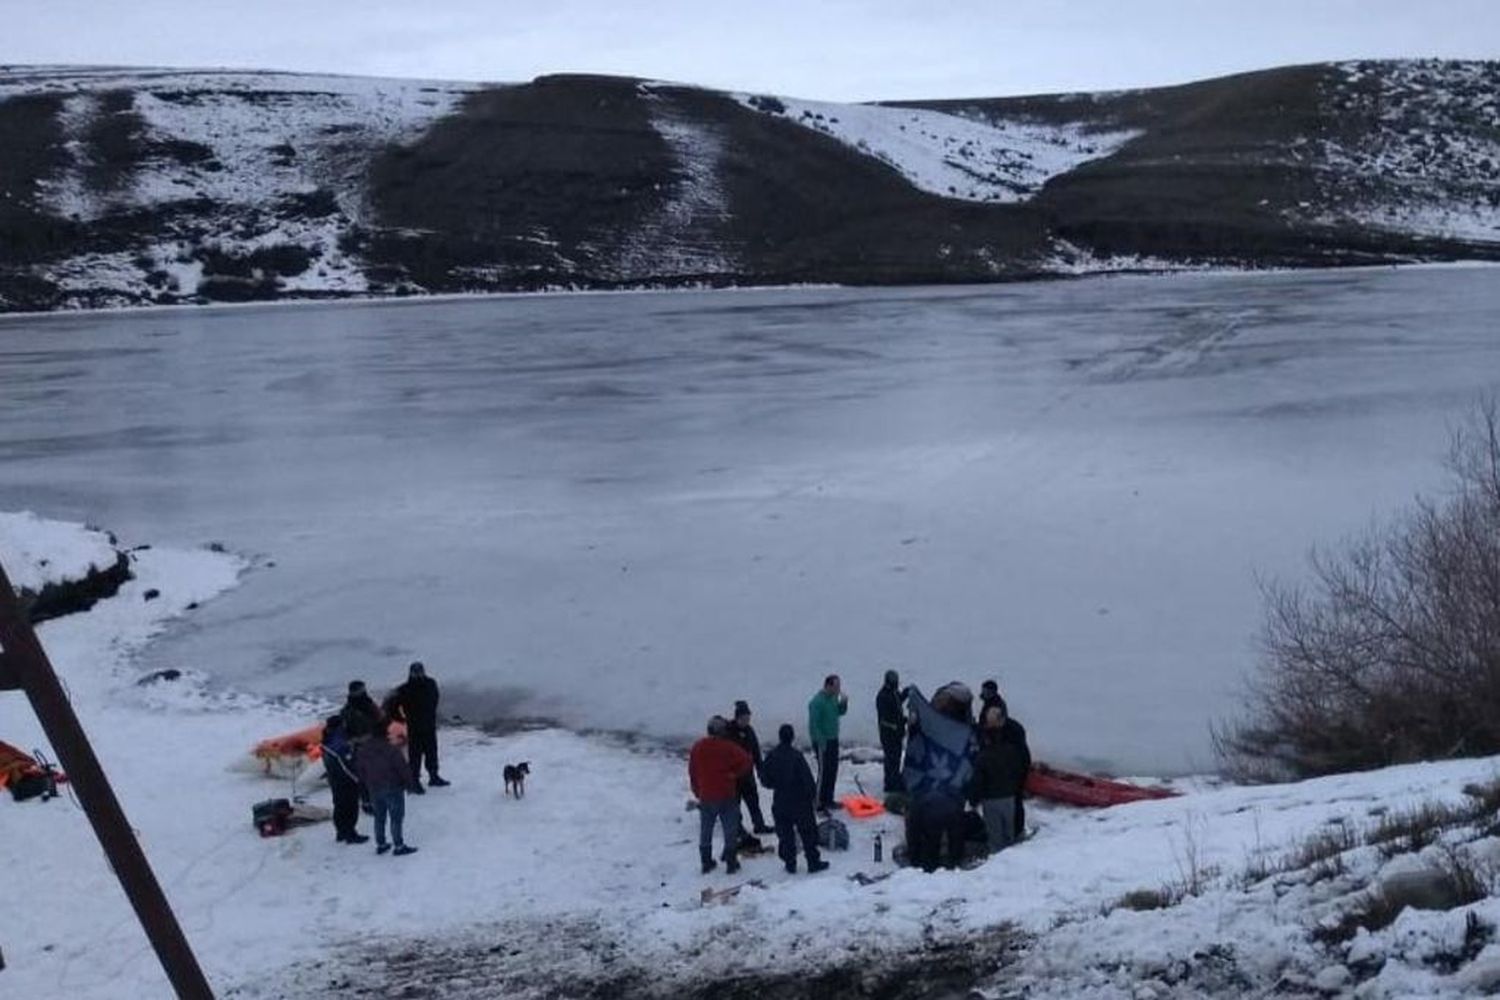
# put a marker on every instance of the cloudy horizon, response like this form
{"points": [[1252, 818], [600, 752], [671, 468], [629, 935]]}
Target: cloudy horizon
{"points": [[839, 50]]}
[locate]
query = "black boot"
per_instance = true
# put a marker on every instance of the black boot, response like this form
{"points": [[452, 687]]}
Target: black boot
{"points": [[709, 864]]}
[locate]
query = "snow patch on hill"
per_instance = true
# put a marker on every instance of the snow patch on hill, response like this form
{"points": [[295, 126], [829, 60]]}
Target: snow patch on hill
{"points": [[1431, 166], [673, 242], [967, 158]]}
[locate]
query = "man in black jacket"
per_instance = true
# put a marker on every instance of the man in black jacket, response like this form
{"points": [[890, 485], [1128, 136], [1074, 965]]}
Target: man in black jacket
{"points": [[890, 710], [1000, 772], [741, 732], [418, 700], [338, 767], [786, 773]]}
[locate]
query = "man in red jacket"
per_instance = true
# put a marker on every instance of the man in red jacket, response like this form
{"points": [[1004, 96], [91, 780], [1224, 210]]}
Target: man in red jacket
{"points": [[715, 767]]}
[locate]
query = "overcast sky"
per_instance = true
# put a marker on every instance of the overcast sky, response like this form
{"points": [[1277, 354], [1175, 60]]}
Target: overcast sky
{"points": [[834, 49]]}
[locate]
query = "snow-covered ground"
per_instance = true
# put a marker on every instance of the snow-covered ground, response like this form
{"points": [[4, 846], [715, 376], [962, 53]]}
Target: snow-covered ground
{"points": [[969, 158], [592, 878], [39, 552]]}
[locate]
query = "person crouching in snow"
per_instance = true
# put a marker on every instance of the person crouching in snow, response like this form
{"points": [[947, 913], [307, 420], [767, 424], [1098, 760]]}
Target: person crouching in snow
{"points": [[385, 772], [715, 766], [786, 773], [338, 767]]}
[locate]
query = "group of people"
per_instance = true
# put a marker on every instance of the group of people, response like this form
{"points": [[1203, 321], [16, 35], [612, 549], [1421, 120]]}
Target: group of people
{"points": [[937, 758], [364, 768], [951, 759], [725, 768]]}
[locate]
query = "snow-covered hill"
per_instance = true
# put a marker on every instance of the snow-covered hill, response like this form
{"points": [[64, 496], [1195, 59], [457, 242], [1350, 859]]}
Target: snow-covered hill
{"points": [[1376, 885], [954, 155], [124, 186], [1429, 163]]}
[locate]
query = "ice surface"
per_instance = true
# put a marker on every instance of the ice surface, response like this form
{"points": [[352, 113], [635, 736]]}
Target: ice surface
{"points": [[632, 509]]}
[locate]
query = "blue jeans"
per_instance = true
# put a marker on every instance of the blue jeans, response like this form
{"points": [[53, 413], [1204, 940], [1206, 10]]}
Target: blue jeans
{"points": [[392, 804], [726, 813]]}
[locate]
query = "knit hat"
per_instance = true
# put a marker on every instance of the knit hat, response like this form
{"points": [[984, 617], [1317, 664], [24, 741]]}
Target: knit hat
{"points": [[416, 669], [892, 678], [356, 687], [786, 733], [718, 725], [741, 708]]}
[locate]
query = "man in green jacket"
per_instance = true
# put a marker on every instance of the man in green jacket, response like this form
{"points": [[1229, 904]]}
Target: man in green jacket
{"points": [[823, 727]]}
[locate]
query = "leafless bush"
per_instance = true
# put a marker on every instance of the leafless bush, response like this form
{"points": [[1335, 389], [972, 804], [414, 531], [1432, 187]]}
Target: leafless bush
{"points": [[1392, 653], [1195, 873], [1145, 900], [1473, 877], [1328, 844], [1485, 796], [1407, 831]]}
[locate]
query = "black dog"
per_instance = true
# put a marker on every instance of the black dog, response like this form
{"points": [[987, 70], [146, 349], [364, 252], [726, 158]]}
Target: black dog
{"points": [[515, 778]]}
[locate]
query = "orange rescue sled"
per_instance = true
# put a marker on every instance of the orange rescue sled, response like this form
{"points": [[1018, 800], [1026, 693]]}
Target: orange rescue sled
{"points": [[862, 806], [305, 746]]}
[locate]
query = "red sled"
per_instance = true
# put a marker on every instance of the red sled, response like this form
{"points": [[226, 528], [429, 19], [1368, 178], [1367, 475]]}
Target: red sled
{"points": [[1075, 789]]}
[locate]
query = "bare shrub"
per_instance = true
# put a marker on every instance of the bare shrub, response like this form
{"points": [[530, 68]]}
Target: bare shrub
{"points": [[1473, 878], [1406, 831], [1195, 873], [1328, 844], [1485, 796], [1145, 900], [1392, 653]]}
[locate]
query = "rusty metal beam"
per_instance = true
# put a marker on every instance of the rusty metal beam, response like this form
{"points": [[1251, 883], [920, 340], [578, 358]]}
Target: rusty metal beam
{"points": [[24, 663]]}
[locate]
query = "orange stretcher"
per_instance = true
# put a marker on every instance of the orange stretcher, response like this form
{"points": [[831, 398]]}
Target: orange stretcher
{"points": [[306, 743], [862, 806]]}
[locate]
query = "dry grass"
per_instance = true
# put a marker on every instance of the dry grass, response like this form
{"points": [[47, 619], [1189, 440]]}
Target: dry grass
{"points": [[1371, 911]]}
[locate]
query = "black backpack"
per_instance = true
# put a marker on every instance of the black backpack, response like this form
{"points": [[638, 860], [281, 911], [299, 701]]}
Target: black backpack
{"points": [[39, 783], [833, 835]]}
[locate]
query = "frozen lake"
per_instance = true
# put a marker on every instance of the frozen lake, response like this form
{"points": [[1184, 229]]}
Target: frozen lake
{"points": [[627, 511]]}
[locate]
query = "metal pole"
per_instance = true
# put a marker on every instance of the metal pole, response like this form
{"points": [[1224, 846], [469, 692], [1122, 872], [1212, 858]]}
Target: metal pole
{"points": [[26, 663]]}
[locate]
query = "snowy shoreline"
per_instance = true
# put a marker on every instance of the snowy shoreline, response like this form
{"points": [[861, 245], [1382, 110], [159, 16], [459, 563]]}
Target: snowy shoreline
{"points": [[590, 884], [360, 299]]}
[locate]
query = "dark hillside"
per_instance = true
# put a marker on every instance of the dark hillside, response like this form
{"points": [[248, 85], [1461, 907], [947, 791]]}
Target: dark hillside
{"points": [[133, 187]]}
